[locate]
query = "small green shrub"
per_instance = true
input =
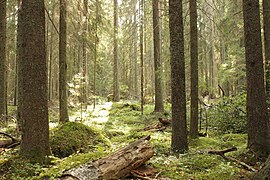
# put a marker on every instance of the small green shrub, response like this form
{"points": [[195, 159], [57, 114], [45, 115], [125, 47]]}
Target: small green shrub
{"points": [[229, 115], [72, 137]]}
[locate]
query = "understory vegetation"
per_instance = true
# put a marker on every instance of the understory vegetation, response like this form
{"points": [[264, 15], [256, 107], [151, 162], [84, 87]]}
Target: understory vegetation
{"points": [[114, 125]]}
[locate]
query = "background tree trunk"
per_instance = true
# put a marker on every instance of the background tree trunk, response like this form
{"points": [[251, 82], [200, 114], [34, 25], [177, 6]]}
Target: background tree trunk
{"points": [[34, 110], [3, 63], [116, 95], [95, 53], [258, 126], [194, 69], [19, 65], [142, 54], [179, 125], [63, 110], [157, 57]]}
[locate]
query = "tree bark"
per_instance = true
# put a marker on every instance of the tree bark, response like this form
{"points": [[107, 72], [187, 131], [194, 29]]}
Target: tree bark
{"points": [[34, 110], [95, 53], [179, 124], [142, 53], [266, 30], [19, 65], [159, 107], [63, 110], [3, 63], [116, 96], [194, 69], [135, 26], [117, 165], [84, 93], [257, 115]]}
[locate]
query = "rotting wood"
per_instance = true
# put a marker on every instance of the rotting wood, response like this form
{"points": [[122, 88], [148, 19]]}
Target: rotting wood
{"points": [[222, 154], [115, 166]]}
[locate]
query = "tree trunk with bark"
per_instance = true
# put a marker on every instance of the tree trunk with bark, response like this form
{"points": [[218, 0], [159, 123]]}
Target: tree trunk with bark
{"points": [[194, 69], [179, 124], [116, 95], [142, 53], [19, 66], [84, 92], [34, 110], [257, 115], [159, 107], [63, 110], [3, 63]]}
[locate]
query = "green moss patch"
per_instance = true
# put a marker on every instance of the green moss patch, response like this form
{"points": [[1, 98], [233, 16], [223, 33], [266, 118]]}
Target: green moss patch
{"points": [[74, 137]]}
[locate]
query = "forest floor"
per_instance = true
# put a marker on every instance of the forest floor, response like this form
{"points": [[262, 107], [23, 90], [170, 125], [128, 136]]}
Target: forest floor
{"points": [[121, 123]]}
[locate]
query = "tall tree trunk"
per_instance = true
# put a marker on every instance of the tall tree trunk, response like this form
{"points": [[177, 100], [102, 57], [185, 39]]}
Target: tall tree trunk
{"points": [[142, 54], [194, 69], [212, 54], [50, 89], [258, 126], [157, 57], [34, 110], [135, 54], [116, 96], [3, 63], [84, 95], [95, 54], [266, 30], [179, 124], [19, 65], [63, 110]]}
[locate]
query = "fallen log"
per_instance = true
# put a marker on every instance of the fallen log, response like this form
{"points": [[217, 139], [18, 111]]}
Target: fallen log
{"points": [[153, 128], [117, 165], [161, 126], [8, 143], [165, 122], [222, 154]]}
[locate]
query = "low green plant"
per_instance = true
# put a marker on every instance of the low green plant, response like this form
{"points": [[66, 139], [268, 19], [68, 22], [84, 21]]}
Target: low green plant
{"points": [[229, 115], [16, 168]]}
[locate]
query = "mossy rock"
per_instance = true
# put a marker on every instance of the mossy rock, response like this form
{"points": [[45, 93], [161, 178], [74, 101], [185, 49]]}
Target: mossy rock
{"points": [[74, 137]]}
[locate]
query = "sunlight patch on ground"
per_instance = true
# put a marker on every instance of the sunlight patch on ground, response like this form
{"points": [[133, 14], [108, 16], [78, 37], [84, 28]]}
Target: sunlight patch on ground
{"points": [[78, 116], [99, 115]]}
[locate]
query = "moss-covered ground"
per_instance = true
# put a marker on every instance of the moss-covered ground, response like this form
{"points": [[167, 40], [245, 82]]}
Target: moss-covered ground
{"points": [[118, 124]]}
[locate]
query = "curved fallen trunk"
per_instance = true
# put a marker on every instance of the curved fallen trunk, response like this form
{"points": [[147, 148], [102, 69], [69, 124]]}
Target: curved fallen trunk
{"points": [[5, 143], [115, 166]]}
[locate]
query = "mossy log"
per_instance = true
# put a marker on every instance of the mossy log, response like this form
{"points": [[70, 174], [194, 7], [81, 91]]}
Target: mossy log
{"points": [[115, 166]]}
